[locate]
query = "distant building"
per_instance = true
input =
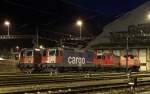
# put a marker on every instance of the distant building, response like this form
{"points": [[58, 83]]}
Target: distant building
{"points": [[134, 26], [134, 17]]}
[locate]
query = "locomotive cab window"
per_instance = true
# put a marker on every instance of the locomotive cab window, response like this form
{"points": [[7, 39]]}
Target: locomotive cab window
{"points": [[103, 57], [125, 56], [52, 52], [22, 53], [131, 56], [29, 53], [99, 57], [37, 53], [44, 53], [59, 53]]}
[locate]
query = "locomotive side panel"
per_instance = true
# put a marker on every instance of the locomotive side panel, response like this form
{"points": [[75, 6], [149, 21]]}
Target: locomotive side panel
{"points": [[51, 56], [26, 56], [110, 60], [59, 55], [77, 58], [88, 57], [44, 57], [106, 59], [133, 60]]}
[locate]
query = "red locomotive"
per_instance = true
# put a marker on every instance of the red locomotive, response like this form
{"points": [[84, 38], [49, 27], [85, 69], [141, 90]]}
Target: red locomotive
{"points": [[109, 61], [64, 59], [55, 59]]}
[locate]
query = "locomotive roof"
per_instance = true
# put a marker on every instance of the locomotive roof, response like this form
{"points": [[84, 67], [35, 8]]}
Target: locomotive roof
{"points": [[62, 48]]}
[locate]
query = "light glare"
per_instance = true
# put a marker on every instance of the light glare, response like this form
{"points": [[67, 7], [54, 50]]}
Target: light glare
{"points": [[41, 47], [148, 16], [79, 23], [7, 23]]}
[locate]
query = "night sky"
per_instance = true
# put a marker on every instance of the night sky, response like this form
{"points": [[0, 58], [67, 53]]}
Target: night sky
{"points": [[55, 19]]}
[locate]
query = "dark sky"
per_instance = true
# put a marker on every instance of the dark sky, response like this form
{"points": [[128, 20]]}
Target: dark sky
{"points": [[56, 19]]}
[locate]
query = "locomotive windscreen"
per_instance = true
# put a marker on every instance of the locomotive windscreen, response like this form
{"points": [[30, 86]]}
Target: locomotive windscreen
{"points": [[29, 53], [26, 53], [52, 52]]}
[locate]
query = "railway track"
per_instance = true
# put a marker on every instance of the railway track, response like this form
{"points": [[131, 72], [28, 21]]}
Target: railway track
{"points": [[14, 79], [66, 83]]}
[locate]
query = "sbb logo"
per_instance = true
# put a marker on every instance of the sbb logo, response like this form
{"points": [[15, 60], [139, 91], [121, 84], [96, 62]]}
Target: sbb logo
{"points": [[76, 60]]}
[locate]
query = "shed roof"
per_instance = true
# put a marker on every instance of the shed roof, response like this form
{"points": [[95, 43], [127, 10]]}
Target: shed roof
{"points": [[134, 17]]}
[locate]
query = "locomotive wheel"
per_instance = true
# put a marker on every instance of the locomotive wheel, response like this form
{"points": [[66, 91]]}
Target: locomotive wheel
{"points": [[28, 70], [56, 71], [47, 69]]}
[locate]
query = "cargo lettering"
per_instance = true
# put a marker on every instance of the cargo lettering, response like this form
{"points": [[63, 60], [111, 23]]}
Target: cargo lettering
{"points": [[76, 60]]}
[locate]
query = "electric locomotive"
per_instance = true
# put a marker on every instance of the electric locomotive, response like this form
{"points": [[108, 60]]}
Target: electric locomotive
{"points": [[55, 59], [65, 59]]}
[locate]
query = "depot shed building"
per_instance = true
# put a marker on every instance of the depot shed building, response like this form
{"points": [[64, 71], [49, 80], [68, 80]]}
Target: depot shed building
{"points": [[131, 31]]}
